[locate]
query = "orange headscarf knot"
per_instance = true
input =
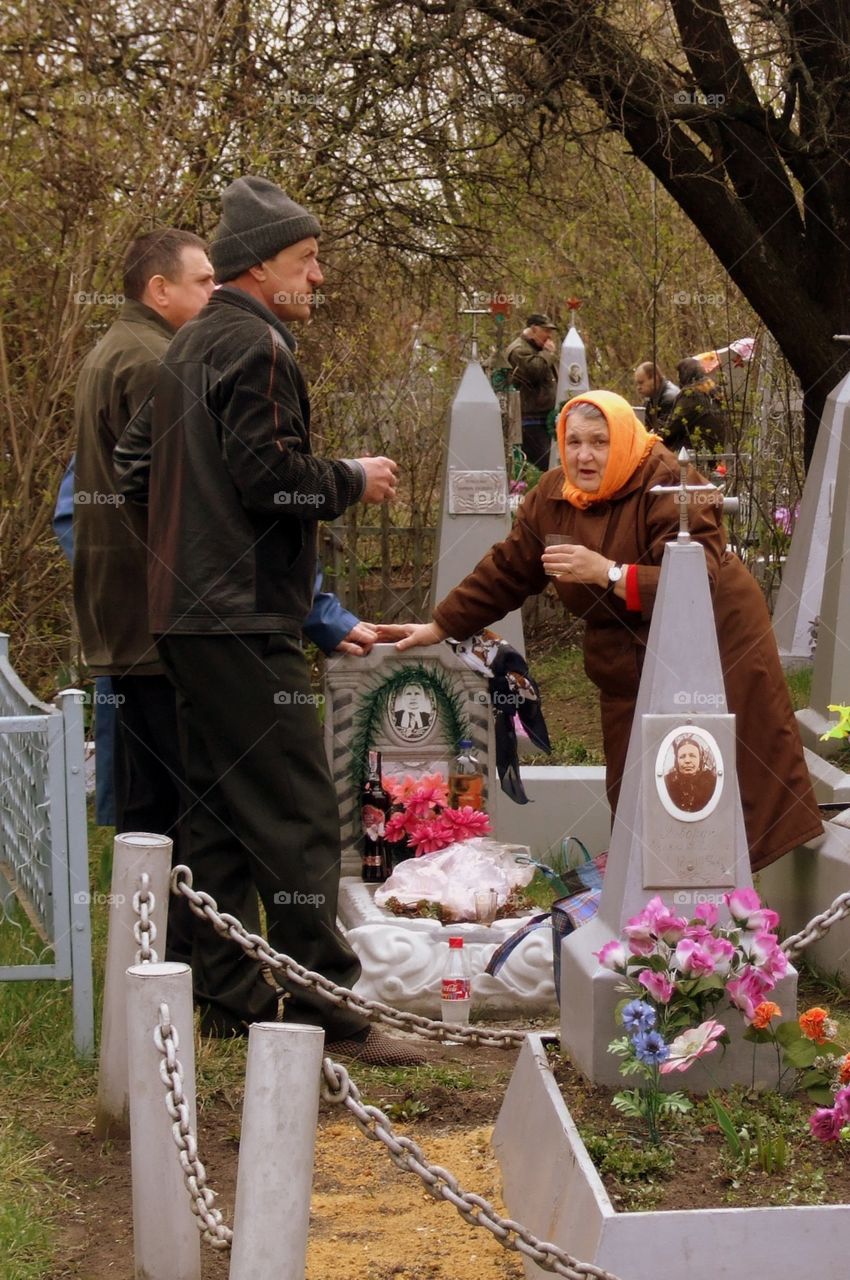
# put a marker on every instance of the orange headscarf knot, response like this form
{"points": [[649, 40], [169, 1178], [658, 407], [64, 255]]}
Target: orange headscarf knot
{"points": [[630, 445]]}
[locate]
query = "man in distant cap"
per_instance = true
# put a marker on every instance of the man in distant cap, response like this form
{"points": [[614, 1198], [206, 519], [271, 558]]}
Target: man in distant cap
{"points": [[235, 498], [533, 358]]}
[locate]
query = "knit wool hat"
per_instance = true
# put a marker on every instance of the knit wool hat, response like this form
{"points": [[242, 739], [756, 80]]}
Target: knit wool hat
{"points": [[257, 221]]}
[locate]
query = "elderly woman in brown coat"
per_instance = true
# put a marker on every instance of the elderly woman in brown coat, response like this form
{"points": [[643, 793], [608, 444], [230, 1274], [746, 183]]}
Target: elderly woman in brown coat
{"points": [[609, 577]]}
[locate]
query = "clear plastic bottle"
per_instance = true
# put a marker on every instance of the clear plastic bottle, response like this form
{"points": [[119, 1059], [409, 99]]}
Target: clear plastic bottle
{"points": [[466, 778], [456, 987]]}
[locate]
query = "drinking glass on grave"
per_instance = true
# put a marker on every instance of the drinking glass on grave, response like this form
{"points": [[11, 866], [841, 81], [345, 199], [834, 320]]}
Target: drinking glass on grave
{"points": [[558, 540], [486, 905]]}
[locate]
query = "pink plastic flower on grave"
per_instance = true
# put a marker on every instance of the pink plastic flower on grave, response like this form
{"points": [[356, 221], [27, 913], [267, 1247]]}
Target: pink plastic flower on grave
{"points": [[658, 985], [842, 1104], [766, 955], [396, 828], [707, 913], [466, 822], [746, 910], [722, 952], [612, 956], [654, 922], [666, 924], [826, 1124], [746, 991], [692, 959], [692, 1044], [429, 794], [429, 837]]}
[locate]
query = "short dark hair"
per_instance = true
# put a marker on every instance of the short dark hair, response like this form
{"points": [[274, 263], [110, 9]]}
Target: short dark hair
{"points": [[690, 370], [647, 368], [156, 253]]}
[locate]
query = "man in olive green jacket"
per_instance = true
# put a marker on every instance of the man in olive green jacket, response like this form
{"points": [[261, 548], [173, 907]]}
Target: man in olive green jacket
{"points": [[168, 278]]}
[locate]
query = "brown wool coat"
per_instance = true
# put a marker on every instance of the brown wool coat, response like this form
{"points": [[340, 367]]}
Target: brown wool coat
{"points": [[780, 810]]}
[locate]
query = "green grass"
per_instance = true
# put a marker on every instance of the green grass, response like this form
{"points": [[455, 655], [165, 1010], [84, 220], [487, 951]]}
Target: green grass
{"points": [[26, 1194]]}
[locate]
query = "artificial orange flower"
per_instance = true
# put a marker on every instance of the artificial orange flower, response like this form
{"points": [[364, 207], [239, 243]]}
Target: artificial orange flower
{"points": [[763, 1014], [813, 1024], [844, 1070]]}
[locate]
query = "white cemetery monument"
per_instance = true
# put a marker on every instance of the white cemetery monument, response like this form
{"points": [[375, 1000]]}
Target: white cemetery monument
{"points": [[656, 847], [474, 513], [572, 373], [798, 602], [831, 672], [403, 958], [549, 1180]]}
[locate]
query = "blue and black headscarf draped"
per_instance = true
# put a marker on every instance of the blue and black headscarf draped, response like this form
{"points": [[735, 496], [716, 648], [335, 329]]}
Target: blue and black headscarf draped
{"points": [[513, 691]]}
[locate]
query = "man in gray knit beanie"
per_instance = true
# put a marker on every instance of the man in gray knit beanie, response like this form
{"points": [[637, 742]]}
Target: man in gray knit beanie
{"points": [[257, 221], [236, 494]]}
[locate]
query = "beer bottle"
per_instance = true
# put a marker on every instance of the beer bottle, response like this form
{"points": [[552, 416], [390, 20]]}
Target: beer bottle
{"points": [[374, 808]]}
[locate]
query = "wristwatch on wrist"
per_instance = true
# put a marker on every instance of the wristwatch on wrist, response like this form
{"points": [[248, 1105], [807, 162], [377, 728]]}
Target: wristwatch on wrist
{"points": [[615, 573]]}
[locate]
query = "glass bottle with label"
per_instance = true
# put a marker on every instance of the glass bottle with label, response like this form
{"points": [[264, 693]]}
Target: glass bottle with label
{"points": [[466, 778], [374, 809]]}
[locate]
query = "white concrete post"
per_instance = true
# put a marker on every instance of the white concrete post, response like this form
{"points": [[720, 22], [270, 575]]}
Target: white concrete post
{"points": [[275, 1175], [166, 1240], [133, 853]]}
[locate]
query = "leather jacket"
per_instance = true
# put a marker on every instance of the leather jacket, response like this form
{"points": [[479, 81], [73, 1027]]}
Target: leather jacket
{"points": [[235, 492]]}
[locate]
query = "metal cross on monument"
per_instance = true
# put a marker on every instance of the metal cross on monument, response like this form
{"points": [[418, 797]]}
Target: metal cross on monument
{"points": [[475, 312], [682, 489]]}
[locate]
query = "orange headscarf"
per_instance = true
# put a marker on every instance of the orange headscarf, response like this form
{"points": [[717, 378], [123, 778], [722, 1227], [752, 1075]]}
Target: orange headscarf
{"points": [[630, 444]]}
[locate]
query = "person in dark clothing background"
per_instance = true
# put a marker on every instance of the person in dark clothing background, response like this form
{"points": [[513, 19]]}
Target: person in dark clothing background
{"points": [[698, 420], [235, 497], [167, 279], [658, 394], [533, 358]]}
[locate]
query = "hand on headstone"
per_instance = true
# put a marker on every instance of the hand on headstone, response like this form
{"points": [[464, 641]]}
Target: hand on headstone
{"points": [[422, 633], [389, 632], [359, 640], [381, 474]]}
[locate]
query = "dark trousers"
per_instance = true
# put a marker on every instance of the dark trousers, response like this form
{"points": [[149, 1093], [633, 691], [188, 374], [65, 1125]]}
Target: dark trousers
{"points": [[535, 441], [264, 812], [150, 793]]}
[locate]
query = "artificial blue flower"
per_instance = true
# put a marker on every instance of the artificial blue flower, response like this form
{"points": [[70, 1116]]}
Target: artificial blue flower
{"points": [[638, 1016], [650, 1048]]}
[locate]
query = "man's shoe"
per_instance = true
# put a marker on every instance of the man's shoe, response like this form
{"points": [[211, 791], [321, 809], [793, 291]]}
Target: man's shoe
{"points": [[376, 1050]]}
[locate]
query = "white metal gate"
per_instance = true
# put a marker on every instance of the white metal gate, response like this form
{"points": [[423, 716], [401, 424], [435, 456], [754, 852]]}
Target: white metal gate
{"points": [[43, 843]]}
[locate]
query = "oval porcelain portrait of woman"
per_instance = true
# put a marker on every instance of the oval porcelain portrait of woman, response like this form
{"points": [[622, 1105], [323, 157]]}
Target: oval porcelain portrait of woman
{"points": [[689, 773]]}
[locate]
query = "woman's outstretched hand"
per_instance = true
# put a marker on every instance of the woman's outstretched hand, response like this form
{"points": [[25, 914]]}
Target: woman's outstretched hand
{"points": [[422, 633]]}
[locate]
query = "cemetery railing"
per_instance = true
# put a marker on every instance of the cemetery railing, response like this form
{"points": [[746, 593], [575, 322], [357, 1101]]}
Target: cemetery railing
{"points": [[43, 843]]}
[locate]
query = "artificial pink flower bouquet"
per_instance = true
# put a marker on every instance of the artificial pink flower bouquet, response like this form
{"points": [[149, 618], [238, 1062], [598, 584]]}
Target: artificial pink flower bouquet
{"points": [[676, 971], [422, 816]]}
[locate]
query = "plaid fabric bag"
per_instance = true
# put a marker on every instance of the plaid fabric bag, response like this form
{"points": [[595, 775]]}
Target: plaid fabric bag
{"points": [[580, 904]]}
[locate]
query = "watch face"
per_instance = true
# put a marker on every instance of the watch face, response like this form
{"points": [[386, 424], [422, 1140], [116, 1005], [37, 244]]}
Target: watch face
{"points": [[615, 573]]}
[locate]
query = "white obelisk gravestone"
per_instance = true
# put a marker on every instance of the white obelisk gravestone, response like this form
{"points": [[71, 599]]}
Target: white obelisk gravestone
{"points": [[685, 855], [572, 377], [798, 602], [474, 513]]}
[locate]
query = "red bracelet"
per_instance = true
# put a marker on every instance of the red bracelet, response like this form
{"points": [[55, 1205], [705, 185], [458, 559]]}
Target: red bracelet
{"points": [[632, 589]]}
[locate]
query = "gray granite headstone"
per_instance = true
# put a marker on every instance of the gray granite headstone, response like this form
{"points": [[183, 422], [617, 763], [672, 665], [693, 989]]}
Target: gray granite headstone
{"points": [[686, 852], [474, 513], [798, 601]]}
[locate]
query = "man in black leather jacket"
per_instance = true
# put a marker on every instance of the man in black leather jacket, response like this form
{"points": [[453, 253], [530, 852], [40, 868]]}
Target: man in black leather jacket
{"points": [[235, 496]]}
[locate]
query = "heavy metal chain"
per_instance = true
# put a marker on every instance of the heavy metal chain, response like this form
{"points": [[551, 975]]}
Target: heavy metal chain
{"points": [[338, 1087], [209, 1220], [818, 927], [258, 948], [144, 929]]}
